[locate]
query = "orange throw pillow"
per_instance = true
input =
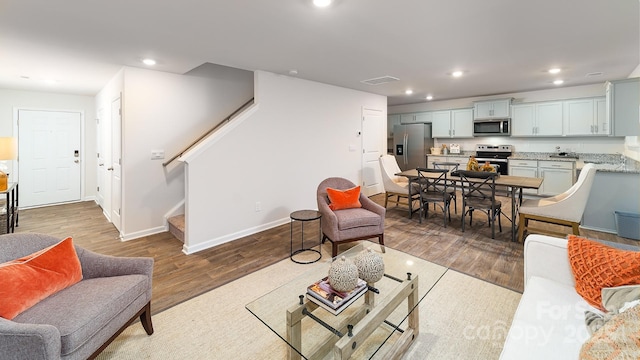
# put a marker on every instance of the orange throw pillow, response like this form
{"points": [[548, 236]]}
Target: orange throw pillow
{"points": [[344, 199], [26, 281], [596, 266]]}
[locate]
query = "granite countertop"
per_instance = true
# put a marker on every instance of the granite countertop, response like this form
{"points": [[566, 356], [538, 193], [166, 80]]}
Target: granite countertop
{"points": [[603, 162]]}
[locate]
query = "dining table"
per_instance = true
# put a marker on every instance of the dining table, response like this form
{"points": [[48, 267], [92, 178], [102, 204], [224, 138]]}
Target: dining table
{"points": [[513, 184]]}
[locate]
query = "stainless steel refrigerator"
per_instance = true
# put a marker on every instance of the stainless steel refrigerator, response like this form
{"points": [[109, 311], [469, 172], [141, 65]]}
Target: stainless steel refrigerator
{"points": [[411, 145]]}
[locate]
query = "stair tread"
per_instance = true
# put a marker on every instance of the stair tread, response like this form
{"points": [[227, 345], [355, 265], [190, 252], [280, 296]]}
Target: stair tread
{"points": [[177, 221]]}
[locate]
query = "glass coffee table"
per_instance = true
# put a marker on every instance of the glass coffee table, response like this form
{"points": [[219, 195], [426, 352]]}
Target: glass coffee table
{"points": [[381, 324]]}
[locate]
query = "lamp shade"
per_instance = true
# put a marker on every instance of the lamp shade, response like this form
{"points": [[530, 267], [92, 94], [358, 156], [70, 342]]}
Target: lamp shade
{"points": [[8, 149]]}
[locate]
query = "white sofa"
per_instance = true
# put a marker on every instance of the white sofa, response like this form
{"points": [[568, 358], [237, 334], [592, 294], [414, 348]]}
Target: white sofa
{"points": [[549, 322]]}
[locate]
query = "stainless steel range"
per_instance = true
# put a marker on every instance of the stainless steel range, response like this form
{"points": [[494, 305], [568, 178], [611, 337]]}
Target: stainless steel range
{"points": [[495, 155]]}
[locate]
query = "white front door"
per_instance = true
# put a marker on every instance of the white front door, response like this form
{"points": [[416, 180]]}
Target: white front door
{"points": [[373, 133], [116, 162], [49, 157]]}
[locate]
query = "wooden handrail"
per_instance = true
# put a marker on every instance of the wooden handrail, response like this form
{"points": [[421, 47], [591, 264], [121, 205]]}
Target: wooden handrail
{"points": [[224, 121]]}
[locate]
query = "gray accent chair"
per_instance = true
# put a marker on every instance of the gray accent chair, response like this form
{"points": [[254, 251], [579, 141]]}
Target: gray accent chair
{"points": [[81, 320], [346, 225]]}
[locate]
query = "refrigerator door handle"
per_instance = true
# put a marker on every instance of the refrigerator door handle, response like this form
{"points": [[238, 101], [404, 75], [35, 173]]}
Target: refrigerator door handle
{"points": [[406, 147]]}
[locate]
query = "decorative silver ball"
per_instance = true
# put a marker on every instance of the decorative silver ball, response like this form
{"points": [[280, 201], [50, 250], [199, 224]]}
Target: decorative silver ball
{"points": [[370, 266], [343, 275]]}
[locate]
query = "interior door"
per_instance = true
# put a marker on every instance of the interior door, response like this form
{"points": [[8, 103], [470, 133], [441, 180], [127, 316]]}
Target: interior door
{"points": [[373, 133], [49, 165], [100, 155], [116, 163]]}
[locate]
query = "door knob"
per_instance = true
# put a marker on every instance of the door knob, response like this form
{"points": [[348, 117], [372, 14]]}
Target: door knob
{"points": [[110, 168], [100, 164], [76, 161]]}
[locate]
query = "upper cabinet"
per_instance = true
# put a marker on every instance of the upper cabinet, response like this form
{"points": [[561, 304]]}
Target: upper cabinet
{"points": [[452, 123], [584, 117], [537, 119], [623, 101], [492, 109], [421, 117], [391, 121]]}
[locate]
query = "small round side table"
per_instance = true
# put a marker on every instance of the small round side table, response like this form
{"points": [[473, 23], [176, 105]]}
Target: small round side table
{"points": [[304, 216]]}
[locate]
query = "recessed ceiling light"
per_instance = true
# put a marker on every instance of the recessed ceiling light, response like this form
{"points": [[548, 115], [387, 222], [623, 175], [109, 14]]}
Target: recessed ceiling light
{"points": [[149, 62], [409, 92], [457, 73], [321, 3], [554, 70], [429, 97], [558, 82]]}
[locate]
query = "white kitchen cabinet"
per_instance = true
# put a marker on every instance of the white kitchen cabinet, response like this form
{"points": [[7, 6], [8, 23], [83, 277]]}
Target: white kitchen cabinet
{"points": [[558, 177], [492, 109], [623, 107], [584, 117], [391, 121], [462, 123], [412, 118], [549, 118], [525, 168], [456, 123], [537, 119], [604, 128], [460, 160], [441, 124]]}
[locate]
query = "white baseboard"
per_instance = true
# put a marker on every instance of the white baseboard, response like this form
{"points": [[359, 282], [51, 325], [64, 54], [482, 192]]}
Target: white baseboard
{"points": [[147, 232], [190, 249]]}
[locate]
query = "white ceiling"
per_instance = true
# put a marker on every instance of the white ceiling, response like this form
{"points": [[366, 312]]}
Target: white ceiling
{"points": [[502, 45]]}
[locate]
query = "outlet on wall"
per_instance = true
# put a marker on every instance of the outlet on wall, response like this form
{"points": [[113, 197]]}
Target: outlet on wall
{"points": [[258, 206]]}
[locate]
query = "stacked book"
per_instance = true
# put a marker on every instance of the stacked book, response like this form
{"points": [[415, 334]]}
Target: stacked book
{"points": [[331, 300]]}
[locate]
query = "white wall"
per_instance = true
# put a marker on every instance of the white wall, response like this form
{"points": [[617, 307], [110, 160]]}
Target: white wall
{"points": [[11, 100], [298, 135], [163, 111], [608, 145]]}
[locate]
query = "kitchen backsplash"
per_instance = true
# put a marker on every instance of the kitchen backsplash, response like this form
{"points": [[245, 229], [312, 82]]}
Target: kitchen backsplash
{"points": [[600, 145]]}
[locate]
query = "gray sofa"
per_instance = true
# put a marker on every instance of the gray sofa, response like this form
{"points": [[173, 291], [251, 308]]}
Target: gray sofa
{"points": [[81, 320]]}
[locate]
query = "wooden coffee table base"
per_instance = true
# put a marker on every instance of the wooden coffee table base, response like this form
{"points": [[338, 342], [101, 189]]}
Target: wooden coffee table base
{"points": [[365, 321]]}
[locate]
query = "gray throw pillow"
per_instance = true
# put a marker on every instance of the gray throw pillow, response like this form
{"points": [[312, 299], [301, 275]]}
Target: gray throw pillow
{"points": [[615, 300]]}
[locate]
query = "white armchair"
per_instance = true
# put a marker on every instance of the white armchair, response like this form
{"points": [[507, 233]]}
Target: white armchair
{"points": [[564, 209], [396, 186]]}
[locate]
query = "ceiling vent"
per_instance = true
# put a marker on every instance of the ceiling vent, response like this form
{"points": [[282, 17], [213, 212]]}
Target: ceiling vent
{"points": [[597, 73], [380, 80]]}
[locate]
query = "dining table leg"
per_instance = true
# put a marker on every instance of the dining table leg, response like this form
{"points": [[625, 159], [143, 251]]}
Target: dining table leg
{"points": [[514, 209], [410, 200]]}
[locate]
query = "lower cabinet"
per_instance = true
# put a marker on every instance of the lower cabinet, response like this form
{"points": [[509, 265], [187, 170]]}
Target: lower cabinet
{"points": [[460, 160], [558, 176], [525, 168]]}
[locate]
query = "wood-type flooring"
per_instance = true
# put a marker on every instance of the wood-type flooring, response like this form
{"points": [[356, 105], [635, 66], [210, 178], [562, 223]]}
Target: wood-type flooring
{"points": [[179, 277]]}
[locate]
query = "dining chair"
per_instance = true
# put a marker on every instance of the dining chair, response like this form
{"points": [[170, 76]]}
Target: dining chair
{"points": [[451, 167], [479, 193], [565, 209], [433, 190], [395, 186]]}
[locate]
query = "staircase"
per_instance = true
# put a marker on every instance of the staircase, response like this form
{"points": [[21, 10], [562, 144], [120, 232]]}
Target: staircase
{"points": [[176, 226]]}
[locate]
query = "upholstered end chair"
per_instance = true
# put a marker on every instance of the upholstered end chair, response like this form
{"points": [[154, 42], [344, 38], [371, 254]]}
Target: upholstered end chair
{"points": [[342, 226], [81, 320], [564, 209], [396, 186]]}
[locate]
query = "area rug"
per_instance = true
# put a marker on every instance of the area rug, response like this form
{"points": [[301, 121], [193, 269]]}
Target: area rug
{"points": [[461, 318]]}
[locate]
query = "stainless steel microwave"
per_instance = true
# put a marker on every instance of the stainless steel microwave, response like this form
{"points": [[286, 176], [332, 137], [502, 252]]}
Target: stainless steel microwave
{"points": [[493, 127]]}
